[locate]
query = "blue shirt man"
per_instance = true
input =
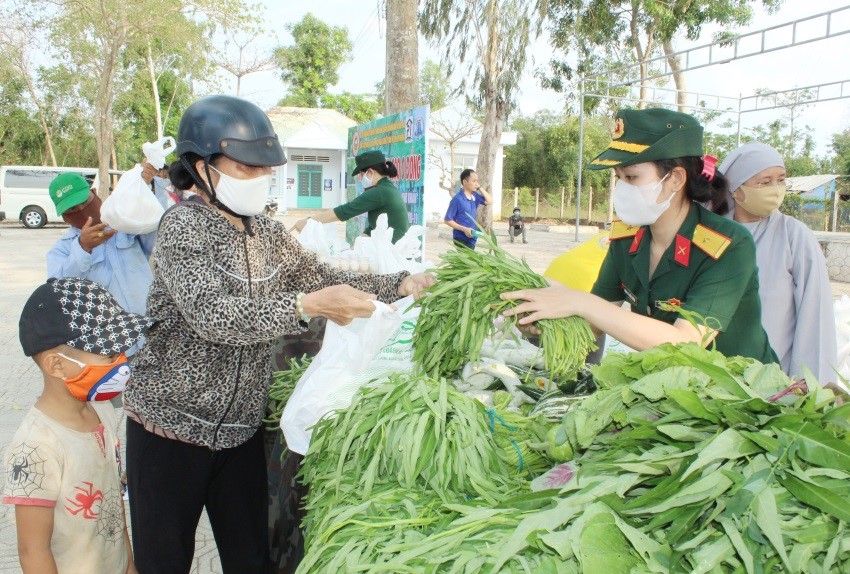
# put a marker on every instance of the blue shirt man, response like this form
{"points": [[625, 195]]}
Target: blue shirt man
{"points": [[90, 250], [463, 208]]}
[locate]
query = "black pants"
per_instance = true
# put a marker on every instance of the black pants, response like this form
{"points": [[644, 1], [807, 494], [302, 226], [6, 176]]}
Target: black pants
{"points": [[170, 482]]}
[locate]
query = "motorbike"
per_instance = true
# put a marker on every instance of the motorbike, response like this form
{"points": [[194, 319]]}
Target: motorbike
{"points": [[271, 208]]}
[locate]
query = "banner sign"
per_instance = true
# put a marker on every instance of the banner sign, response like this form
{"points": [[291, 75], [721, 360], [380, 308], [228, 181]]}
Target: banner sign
{"points": [[403, 138]]}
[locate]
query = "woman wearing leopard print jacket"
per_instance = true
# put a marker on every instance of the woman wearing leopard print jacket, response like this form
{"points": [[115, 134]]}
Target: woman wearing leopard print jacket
{"points": [[227, 282]]}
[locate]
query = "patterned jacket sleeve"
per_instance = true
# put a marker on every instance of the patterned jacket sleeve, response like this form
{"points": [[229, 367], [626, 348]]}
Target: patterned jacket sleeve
{"points": [[188, 270]]}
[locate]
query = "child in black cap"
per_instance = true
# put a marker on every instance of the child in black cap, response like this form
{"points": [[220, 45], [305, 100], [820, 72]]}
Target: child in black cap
{"points": [[63, 465]]}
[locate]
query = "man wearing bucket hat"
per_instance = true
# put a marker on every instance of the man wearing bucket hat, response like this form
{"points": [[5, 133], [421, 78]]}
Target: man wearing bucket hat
{"points": [[669, 257], [790, 261], [90, 250], [379, 196]]}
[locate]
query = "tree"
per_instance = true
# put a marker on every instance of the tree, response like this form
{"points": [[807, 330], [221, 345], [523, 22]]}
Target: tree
{"points": [[94, 37], [18, 42], [359, 107], [433, 88], [490, 38], [311, 64], [402, 62], [841, 149], [239, 59], [451, 128], [588, 26]]}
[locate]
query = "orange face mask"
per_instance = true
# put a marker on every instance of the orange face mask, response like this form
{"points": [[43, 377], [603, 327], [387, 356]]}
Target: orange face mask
{"points": [[99, 382]]}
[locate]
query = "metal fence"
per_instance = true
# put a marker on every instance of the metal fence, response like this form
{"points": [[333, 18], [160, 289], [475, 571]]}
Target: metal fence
{"points": [[546, 204]]}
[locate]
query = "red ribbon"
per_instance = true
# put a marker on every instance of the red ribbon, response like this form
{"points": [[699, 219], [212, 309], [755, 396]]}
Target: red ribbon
{"points": [[708, 166]]}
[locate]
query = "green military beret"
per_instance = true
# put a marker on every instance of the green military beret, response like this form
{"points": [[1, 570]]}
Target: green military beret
{"points": [[368, 159], [650, 135]]}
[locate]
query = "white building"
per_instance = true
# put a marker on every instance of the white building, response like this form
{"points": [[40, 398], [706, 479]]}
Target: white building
{"points": [[315, 142]]}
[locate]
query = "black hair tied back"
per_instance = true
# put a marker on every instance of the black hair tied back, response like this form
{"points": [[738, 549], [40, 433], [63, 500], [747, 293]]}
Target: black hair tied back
{"points": [[699, 188], [388, 169]]}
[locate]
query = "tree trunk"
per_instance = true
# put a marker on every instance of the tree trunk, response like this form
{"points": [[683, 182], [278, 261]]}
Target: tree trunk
{"points": [[452, 188], [675, 64], [155, 90], [103, 115], [494, 114], [48, 137], [402, 67]]}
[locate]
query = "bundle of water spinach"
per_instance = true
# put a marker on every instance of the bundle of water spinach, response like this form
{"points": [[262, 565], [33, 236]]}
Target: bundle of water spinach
{"points": [[458, 313]]}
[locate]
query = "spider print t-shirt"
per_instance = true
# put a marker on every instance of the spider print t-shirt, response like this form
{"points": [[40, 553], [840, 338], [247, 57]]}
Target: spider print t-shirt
{"points": [[78, 475]]}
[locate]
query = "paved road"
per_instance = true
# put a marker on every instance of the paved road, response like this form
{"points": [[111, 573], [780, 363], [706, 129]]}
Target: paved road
{"points": [[22, 269]]}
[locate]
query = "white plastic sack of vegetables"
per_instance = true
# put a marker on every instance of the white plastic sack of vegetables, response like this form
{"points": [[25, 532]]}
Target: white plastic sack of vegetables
{"points": [[388, 257], [321, 238], [351, 356]]}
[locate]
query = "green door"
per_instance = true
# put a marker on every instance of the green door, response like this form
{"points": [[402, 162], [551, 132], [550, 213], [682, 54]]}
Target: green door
{"points": [[309, 186]]}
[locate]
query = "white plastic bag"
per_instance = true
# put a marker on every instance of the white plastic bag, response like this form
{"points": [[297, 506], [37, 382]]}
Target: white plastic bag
{"points": [[156, 152], [351, 356], [132, 207], [387, 257], [321, 238]]}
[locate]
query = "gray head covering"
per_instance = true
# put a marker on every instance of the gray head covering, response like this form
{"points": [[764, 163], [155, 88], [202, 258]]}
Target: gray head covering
{"points": [[747, 161]]}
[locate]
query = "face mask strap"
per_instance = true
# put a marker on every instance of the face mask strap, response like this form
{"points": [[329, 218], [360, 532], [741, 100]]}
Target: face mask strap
{"points": [[81, 364], [246, 220]]}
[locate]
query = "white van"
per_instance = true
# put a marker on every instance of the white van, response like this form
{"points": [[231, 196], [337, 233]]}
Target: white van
{"points": [[24, 192]]}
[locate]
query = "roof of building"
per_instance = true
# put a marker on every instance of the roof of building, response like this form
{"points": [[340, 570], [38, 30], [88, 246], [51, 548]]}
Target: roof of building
{"points": [[322, 128], [806, 183]]}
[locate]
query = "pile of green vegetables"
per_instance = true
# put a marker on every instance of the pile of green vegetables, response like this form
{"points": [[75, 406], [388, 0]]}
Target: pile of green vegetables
{"points": [[682, 461], [458, 313], [281, 388], [393, 465]]}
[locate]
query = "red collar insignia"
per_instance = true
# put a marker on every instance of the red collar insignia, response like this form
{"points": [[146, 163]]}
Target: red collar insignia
{"points": [[682, 251], [636, 241]]}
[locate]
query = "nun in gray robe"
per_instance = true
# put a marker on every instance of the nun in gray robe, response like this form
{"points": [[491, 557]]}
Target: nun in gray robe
{"points": [[796, 297]]}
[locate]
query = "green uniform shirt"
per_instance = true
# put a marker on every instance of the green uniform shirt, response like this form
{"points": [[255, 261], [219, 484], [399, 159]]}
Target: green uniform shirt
{"points": [[383, 197], [724, 290]]}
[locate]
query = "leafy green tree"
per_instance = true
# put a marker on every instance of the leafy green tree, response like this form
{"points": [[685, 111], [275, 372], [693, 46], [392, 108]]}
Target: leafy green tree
{"points": [[94, 39], [546, 154], [433, 85], [359, 107], [311, 64], [841, 149], [490, 39], [594, 31]]}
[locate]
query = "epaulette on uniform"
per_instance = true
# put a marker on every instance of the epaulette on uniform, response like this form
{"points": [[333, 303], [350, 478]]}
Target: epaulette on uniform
{"points": [[620, 230], [710, 241]]}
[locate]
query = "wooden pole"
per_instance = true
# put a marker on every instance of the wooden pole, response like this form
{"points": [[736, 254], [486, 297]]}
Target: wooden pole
{"points": [[589, 204], [835, 199], [536, 201], [516, 197], [561, 215]]}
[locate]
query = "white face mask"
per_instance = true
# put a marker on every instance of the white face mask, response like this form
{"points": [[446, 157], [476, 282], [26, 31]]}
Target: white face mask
{"points": [[366, 181], [246, 197], [637, 204]]}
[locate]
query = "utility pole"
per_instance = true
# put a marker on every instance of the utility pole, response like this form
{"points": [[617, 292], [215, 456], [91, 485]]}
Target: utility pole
{"points": [[402, 71]]}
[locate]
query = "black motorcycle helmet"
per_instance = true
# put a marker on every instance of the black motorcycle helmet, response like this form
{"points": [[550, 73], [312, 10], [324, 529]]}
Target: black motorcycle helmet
{"points": [[230, 126]]}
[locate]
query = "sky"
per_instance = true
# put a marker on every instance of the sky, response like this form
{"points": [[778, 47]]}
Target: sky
{"points": [[820, 62]]}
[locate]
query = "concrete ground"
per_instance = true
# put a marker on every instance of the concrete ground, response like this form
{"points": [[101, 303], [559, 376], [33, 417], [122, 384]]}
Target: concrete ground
{"points": [[22, 269]]}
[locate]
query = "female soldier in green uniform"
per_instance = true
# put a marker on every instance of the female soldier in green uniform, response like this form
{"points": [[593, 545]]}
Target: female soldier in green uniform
{"points": [[379, 196], [668, 251]]}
